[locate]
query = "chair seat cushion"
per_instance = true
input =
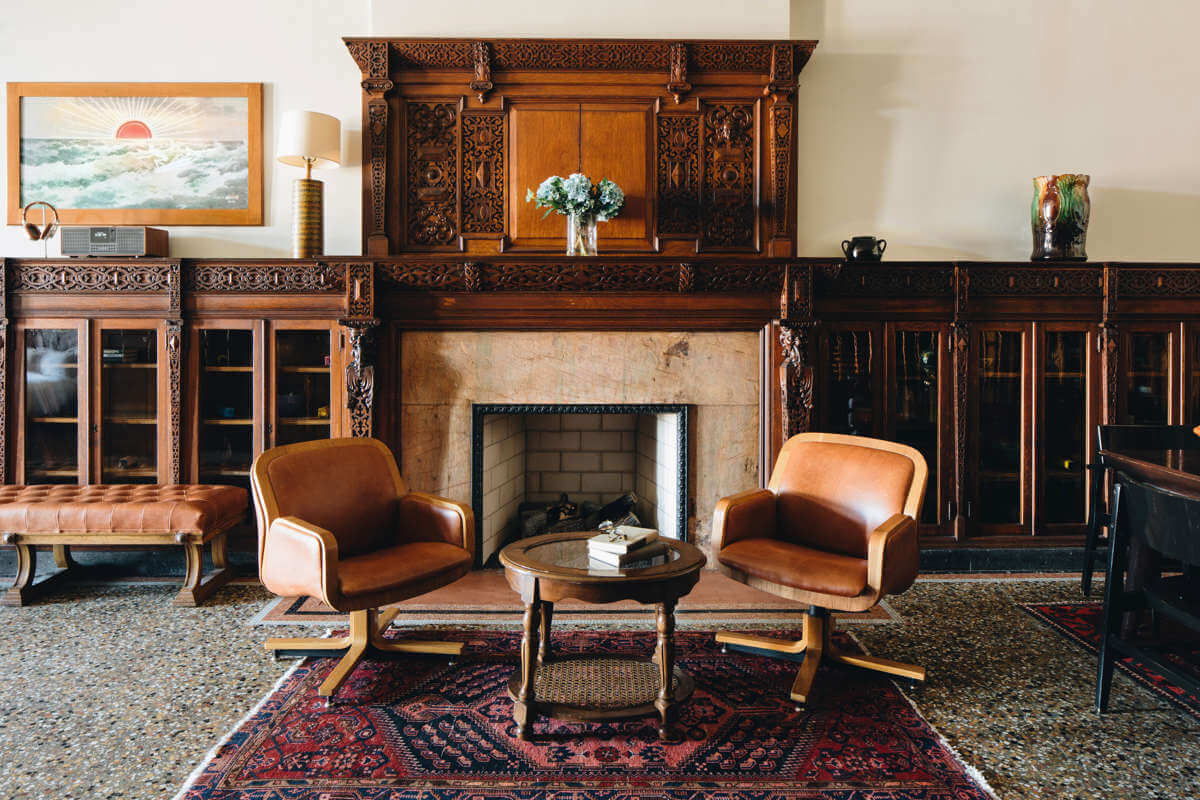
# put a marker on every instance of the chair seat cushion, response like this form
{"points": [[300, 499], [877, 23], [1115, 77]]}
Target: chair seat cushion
{"points": [[120, 508], [403, 565], [797, 566]]}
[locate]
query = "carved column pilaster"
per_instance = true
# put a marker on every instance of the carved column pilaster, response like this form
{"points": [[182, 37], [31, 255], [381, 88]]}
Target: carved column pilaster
{"points": [[1110, 347], [372, 60], [960, 343], [780, 87], [174, 346], [796, 369], [360, 375]]}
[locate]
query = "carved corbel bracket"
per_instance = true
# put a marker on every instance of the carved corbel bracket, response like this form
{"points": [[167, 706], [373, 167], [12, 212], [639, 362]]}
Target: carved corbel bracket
{"points": [[782, 80], [796, 323], [360, 375], [677, 84], [481, 84]]}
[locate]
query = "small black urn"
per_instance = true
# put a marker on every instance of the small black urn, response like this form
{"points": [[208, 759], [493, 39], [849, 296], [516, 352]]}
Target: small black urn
{"points": [[864, 248]]}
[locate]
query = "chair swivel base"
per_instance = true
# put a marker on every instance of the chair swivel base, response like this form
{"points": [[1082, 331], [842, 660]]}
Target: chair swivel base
{"points": [[366, 634], [816, 644]]}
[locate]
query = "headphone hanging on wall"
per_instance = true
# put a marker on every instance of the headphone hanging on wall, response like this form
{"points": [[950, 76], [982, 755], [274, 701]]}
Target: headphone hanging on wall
{"points": [[40, 233]]}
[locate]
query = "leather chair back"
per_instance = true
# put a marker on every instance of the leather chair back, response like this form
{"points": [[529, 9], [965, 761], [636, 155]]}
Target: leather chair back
{"points": [[834, 490], [351, 487]]}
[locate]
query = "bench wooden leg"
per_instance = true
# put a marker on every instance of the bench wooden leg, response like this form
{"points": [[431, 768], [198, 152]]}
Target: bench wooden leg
{"points": [[197, 588], [23, 589]]}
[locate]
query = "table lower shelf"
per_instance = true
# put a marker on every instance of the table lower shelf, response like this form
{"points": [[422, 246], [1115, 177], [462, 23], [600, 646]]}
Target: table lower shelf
{"points": [[599, 687]]}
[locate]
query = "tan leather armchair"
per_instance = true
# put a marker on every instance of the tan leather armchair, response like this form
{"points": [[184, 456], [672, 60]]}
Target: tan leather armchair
{"points": [[835, 529], [337, 522]]}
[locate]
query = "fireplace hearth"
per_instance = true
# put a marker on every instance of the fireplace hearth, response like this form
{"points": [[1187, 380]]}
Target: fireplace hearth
{"points": [[628, 458]]}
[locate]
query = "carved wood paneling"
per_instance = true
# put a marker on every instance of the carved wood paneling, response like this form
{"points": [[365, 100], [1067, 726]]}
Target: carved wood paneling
{"points": [[678, 175], [431, 141], [423, 276], [483, 173], [581, 54], [781, 167], [1160, 282], [375, 143], [576, 277], [287, 278], [360, 289], [728, 199], [730, 57]]}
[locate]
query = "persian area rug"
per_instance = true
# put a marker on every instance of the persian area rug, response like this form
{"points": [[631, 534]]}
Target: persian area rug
{"points": [[483, 597], [1080, 622], [420, 728]]}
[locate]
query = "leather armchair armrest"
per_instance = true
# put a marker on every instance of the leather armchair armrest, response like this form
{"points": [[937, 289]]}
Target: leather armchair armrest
{"points": [[744, 516], [427, 517], [893, 557], [300, 559]]}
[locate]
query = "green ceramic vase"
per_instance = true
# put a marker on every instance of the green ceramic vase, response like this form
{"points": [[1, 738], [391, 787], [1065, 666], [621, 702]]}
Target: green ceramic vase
{"points": [[1060, 217]]}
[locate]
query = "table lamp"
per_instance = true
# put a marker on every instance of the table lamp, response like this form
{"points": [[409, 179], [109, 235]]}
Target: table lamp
{"points": [[308, 139]]}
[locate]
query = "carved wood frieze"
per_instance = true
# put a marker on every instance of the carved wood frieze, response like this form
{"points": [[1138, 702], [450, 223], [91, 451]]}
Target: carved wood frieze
{"points": [[678, 175], [728, 198], [483, 173], [287, 278], [431, 140], [77, 277], [1160, 282], [863, 280], [447, 276], [1036, 280]]}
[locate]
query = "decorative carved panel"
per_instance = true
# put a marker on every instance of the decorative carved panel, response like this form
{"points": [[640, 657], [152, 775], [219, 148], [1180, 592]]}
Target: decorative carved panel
{"points": [[862, 280], [1036, 280], [174, 345], [581, 54], [360, 376], [360, 289], [728, 201], [431, 138], [483, 173], [74, 276], [1161, 282], [287, 278], [678, 168], [423, 276]]}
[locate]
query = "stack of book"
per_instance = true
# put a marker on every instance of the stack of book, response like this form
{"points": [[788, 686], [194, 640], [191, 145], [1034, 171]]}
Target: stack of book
{"points": [[625, 547]]}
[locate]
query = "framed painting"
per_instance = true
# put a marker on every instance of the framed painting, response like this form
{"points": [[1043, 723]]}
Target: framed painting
{"points": [[137, 153]]}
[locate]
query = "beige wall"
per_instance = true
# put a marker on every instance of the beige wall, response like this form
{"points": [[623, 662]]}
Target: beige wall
{"points": [[922, 121]]}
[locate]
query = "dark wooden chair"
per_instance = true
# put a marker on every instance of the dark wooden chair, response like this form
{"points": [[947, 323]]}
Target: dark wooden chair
{"points": [[1124, 438], [1167, 523]]}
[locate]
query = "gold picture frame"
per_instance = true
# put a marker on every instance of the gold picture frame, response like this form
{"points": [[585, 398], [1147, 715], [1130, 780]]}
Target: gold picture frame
{"points": [[174, 153]]}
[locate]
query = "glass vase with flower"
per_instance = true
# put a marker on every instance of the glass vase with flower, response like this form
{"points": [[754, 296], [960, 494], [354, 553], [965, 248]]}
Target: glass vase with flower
{"points": [[583, 203]]}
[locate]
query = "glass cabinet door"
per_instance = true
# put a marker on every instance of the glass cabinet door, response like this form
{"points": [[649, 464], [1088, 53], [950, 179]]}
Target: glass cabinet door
{"points": [[302, 386], [128, 406], [916, 395], [999, 427], [850, 400], [51, 406], [1063, 426], [1193, 378], [1147, 393], [225, 443]]}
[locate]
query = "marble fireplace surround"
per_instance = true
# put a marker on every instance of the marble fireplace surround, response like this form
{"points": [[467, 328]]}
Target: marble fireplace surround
{"points": [[715, 373]]}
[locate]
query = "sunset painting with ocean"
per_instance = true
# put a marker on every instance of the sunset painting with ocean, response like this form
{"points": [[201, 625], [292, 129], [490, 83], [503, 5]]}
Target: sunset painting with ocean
{"points": [[135, 152]]}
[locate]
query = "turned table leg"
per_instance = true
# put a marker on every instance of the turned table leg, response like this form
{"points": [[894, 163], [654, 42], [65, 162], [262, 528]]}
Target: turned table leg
{"points": [[523, 711], [544, 643], [664, 656]]}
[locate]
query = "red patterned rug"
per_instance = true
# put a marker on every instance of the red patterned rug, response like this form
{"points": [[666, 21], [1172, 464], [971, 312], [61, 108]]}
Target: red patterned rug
{"points": [[1080, 622], [419, 728]]}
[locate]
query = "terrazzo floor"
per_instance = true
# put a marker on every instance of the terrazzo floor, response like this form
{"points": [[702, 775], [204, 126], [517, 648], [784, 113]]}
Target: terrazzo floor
{"points": [[109, 691]]}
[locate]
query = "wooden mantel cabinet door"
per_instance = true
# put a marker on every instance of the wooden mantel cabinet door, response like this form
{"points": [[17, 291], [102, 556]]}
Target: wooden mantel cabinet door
{"points": [[849, 377], [51, 369], [613, 140], [1149, 389], [306, 397]]}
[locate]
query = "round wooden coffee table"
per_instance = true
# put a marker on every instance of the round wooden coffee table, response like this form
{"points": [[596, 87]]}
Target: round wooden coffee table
{"points": [[553, 567]]}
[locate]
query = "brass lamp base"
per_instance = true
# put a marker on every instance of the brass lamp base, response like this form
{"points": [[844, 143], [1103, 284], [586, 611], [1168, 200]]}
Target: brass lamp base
{"points": [[308, 230]]}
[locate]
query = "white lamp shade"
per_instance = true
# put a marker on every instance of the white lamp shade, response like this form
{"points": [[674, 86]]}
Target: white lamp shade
{"points": [[309, 135]]}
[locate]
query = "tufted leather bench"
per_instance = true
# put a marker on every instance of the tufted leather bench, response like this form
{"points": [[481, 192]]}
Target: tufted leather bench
{"points": [[119, 514]]}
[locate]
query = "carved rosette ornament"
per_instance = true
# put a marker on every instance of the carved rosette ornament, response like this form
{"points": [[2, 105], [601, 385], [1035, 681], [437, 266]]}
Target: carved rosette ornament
{"points": [[174, 345], [360, 376]]}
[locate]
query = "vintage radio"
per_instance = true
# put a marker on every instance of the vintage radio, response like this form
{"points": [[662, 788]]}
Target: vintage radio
{"points": [[109, 240]]}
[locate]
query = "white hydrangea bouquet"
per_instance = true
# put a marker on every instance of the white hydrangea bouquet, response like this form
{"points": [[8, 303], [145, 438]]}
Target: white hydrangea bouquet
{"points": [[583, 203]]}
